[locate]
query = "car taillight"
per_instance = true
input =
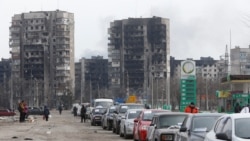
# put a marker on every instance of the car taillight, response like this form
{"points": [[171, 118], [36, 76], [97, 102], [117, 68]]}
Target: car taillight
{"points": [[168, 137]]}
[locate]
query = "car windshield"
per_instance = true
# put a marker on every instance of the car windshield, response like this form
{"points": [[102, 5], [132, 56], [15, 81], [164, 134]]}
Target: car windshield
{"points": [[169, 120], [203, 123], [104, 104], [148, 115], [242, 128], [133, 114], [99, 110], [124, 108], [111, 110]]}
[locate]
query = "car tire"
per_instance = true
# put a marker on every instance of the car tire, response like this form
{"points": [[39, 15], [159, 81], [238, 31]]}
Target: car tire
{"points": [[103, 126], [117, 129], [125, 133], [120, 133], [113, 129]]}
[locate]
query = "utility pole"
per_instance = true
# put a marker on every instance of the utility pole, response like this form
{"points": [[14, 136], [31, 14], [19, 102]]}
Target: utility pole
{"points": [[11, 92], [37, 100], [127, 85], [157, 96], [207, 93], [152, 91], [90, 90]]}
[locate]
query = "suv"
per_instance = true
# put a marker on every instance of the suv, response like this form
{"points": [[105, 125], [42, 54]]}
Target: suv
{"points": [[120, 112]]}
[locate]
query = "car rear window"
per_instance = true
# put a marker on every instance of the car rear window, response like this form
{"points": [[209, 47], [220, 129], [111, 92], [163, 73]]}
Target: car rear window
{"points": [[203, 123], [166, 121]]}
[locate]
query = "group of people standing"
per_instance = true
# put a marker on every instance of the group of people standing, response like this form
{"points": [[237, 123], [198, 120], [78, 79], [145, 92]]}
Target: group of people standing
{"points": [[23, 110], [83, 112]]}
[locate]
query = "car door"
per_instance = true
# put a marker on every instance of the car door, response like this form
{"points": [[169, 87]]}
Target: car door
{"points": [[182, 134], [226, 128], [151, 129], [210, 136]]}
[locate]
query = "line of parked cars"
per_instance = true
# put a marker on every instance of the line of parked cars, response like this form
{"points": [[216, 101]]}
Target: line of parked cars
{"points": [[140, 124]]}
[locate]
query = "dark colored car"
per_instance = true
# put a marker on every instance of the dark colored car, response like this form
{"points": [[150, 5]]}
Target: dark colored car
{"points": [[96, 116], [196, 126], [6, 112], [120, 112], [34, 111]]}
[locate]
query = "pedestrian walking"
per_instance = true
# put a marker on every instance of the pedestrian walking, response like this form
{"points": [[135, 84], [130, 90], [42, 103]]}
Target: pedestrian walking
{"points": [[191, 108], [75, 111], [60, 109], [46, 113], [21, 111], [83, 113]]}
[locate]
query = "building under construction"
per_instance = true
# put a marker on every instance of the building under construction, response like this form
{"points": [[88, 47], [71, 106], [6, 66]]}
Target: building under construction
{"points": [[42, 53], [138, 53]]}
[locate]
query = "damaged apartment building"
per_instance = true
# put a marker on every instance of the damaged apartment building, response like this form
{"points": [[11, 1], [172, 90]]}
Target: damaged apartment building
{"points": [[138, 54], [42, 53], [93, 77]]}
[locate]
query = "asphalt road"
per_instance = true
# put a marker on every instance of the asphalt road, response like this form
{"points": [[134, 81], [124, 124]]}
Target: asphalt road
{"points": [[63, 127]]}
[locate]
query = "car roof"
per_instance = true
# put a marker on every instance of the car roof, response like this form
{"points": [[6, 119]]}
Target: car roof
{"points": [[238, 115], [145, 110], [130, 104], [171, 113], [134, 110], [207, 114]]}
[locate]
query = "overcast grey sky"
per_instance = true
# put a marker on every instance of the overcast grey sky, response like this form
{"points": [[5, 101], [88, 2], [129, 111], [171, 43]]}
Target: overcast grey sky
{"points": [[198, 28]]}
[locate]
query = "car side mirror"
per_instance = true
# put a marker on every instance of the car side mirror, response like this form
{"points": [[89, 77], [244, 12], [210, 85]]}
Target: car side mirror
{"points": [[222, 136], [136, 120], [183, 129], [151, 124]]}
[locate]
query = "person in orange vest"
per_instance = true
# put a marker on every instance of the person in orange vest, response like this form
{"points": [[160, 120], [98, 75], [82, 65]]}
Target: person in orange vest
{"points": [[191, 108]]}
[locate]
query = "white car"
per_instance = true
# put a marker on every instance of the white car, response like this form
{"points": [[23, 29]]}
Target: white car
{"points": [[127, 122], [230, 127]]}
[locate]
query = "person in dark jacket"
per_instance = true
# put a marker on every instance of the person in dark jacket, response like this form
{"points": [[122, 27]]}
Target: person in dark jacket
{"points": [[83, 113], [46, 113], [75, 111], [237, 108], [60, 109]]}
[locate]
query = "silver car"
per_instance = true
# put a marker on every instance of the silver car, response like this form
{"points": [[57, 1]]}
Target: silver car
{"points": [[127, 122], [165, 126], [196, 126], [107, 118], [233, 127]]}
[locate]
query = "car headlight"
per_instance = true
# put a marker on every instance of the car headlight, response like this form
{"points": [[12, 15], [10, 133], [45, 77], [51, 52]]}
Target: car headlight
{"points": [[130, 124], [165, 137]]}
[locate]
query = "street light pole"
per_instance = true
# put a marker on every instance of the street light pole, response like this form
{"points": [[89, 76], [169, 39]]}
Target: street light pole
{"points": [[157, 97], [207, 93], [90, 90], [152, 91]]}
